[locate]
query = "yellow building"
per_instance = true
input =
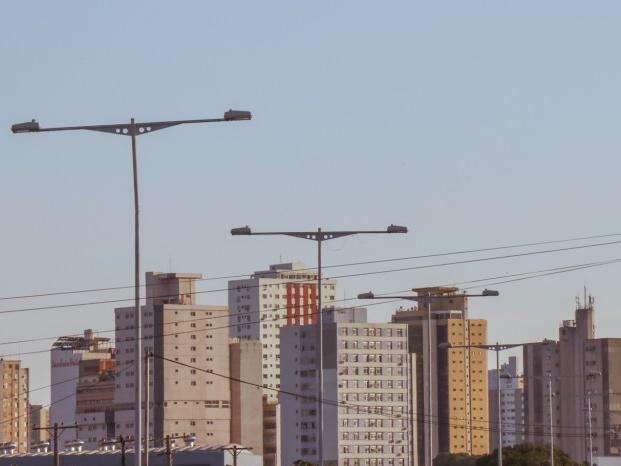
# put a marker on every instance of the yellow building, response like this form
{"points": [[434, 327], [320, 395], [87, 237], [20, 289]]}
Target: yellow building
{"points": [[460, 417], [14, 404]]}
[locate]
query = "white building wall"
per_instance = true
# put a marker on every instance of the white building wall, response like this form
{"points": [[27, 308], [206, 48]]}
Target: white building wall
{"points": [[367, 395]]}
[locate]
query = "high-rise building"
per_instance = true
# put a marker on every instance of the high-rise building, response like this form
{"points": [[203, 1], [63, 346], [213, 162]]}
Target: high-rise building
{"points": [[367, 395], [183, 400], [65, 356], [584, 371], [458, 376], [14, 404], [95, 401], [261, 305], [511, 404], [39, 417], [246, 398], [541, 367]]}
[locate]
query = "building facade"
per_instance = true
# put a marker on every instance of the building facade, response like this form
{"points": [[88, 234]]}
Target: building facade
{"points": [[246, 398], [511, 404], [261, 305], [95, 401], [585, 373], [65, 357], [14, 383], [460, 422], [368, 395], [39, 417], [192, 400]]}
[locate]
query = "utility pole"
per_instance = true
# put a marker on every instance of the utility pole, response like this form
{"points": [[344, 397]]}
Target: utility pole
{"points": [[56, 430], [168, 452], [147, 403], [235, 451], [122, 442]]}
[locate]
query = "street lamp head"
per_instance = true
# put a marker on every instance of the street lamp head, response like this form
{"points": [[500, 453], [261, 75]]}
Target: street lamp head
{"points": [[233, 115], [487, 292], [241, 231], [368, 295], [445, 346], [27, 127], [396, 229]]}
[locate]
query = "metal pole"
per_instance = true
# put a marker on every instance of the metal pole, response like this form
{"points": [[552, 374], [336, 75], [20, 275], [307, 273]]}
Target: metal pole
{"points": [[320, 345], [137, 310], [499, 404], [590, 431], [123, 459], [147, 396], [168, 452], [235, 455], [429, 386], [551, 420], [56, 458]]}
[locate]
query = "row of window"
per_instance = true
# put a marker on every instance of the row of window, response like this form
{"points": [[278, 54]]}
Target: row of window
{"points": [[372, 462], [356, 435], [366, 344], [371, 331], [355, 357], [398, 383], [384, 397], [366, 370], [365, 449], [355, 422]]}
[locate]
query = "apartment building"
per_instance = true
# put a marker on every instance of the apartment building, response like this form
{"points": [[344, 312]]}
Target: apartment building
{"points": [[65, 357], [183, 400], [246, 398], [585, 372], [367, 391], [511, 404], [95, 401], [261, 305], [39, 417], [458, 376], [14, 383]]}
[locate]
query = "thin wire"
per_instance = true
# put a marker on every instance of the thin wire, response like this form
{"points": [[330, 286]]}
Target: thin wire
{"points": [[373, 261], [352, 275], [554, 271]]}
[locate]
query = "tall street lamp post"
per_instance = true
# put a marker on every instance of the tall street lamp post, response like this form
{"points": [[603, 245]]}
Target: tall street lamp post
{"points": [[319, 236], [498, 347], [427, 299], [133, 130]]}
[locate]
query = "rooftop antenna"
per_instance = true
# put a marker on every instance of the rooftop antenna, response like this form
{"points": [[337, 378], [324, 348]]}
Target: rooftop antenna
{"points": [[585, 296]]}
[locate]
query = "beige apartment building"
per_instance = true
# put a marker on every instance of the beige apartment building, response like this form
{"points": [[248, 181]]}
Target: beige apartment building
{"points": [[39, 417], [459, 376], [14, 382], [367, 391], [195, 400]]}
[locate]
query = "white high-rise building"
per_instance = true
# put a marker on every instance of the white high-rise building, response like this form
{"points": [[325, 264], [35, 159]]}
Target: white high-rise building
{"points": [[368, 393], [259, 306], [511, 404], [66, 354]]}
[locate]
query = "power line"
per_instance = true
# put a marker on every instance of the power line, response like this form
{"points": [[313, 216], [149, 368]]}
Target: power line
{"points": [[370, 409], [366, 262], [552, 271], [352, 275]]}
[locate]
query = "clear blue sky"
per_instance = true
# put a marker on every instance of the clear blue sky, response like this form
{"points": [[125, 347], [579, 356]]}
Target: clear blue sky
{"points": [[474, 123]]}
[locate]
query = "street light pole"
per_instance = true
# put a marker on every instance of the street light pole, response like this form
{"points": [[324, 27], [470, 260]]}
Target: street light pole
{"points": [[427, 299], [319, 236], [133, 130]]}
